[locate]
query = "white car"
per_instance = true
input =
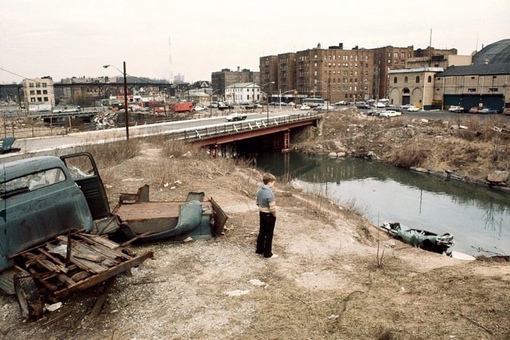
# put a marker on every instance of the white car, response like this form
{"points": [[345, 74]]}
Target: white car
{"points": [[198, 108], [304, 107], [412, 108], [455, 108], [390, 113], [234, 117]]}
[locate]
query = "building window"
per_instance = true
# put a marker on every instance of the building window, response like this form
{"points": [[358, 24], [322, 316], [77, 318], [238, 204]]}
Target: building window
{"points": [[406, 79], [429, 79], [44, 85], [394, 80], [417, 79], [471, 89], [493, 89]]}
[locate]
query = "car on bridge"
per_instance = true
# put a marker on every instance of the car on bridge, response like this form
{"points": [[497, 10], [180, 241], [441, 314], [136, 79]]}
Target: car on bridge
{"points": [[235, 117]]}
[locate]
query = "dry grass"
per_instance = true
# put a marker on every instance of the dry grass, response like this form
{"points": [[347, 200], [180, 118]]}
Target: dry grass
{"points": [[110, 154], [408, 156], [470, 146]]}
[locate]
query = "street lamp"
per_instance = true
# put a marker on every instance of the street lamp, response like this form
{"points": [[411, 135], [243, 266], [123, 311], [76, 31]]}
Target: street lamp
{"points": [[267, 100], [328, 89], [125, 97], [281, 94], [210, 101]]}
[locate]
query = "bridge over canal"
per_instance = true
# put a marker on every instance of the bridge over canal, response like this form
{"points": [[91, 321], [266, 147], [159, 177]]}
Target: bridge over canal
{"points": [[273, 132]]}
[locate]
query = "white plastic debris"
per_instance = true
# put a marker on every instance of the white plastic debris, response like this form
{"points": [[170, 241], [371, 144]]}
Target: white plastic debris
{"points": [[257, 282], [237, 292], [53, 307]]}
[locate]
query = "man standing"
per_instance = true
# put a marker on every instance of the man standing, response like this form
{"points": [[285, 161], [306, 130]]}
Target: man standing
{"points": [[267, 213]]}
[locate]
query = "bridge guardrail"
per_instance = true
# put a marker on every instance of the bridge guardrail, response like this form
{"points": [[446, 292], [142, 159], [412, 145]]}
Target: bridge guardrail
{"points": [[235, 127]]}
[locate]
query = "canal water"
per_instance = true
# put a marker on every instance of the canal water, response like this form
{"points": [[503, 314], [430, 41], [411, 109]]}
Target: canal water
{"points": [[478, 217]]}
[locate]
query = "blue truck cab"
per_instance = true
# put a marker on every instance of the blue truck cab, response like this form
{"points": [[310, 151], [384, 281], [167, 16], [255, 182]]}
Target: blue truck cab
{"points": [[39, 200]]}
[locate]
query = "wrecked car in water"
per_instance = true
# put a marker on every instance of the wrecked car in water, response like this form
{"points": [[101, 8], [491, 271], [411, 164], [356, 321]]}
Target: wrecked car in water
{"points": [[48, 249], [420, 238]]}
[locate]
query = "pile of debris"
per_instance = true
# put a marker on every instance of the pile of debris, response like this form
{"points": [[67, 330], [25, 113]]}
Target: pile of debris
{"points": [[105, 120]]}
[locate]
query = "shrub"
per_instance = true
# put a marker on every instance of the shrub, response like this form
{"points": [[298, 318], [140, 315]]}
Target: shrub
{"points": [[408, 157]]}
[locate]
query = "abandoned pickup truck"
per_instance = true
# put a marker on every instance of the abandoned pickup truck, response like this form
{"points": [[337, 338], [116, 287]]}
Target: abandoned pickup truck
{"points": [[48, 208]]}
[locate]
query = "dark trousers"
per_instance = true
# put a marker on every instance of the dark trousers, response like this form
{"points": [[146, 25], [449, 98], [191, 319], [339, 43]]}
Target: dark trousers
{"points": [[265, 237]]}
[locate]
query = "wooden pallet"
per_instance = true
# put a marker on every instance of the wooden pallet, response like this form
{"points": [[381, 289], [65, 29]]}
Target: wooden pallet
{"points": [[76, 261]]}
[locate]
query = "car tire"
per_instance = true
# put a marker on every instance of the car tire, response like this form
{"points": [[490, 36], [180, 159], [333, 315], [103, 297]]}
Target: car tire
{"points": [[29, 299]]}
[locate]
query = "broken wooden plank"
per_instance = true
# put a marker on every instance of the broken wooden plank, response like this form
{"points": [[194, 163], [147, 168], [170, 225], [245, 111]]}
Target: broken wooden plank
{"points": [[90, 257], [98, 306]]}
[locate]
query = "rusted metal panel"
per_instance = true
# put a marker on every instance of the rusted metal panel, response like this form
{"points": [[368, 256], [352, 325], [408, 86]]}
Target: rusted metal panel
{"points": [[174, 220]]}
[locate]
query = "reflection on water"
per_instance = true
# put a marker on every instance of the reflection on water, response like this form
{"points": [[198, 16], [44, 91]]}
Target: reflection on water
{"points": [[478, 217]]}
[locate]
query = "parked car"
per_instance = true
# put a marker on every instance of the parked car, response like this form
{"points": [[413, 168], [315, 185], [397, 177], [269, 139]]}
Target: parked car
{"points": [[342, 102], [409, 108], [319, 108], [235, 117], [304, 107], [488, 111], [455, 108], [252, 106], [475, 109], [198, 108], [380, 105], [373, 112], [362, 106], [394, 108], [390, 113]]}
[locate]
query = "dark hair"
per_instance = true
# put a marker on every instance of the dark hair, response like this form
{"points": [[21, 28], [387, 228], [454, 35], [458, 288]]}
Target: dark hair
{"points": [[267, 177]]}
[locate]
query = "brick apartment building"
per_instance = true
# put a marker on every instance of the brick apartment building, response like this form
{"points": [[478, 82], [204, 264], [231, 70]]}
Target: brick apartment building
{"points": [[221, 79], [337, 74]]}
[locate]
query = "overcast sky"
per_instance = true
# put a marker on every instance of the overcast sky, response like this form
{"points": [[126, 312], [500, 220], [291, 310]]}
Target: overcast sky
{"points": [[156, 39]]}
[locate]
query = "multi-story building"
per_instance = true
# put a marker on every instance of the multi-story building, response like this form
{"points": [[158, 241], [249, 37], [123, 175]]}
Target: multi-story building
{"points": [[483, 83], [334, 74], [220, 80], [39, 91], [414, 83], [269, 75], [386, 59], [242, 93], [413, 86]]}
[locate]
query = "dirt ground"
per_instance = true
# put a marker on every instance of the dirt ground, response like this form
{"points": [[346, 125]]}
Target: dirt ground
{"points": [[336, 277]]}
